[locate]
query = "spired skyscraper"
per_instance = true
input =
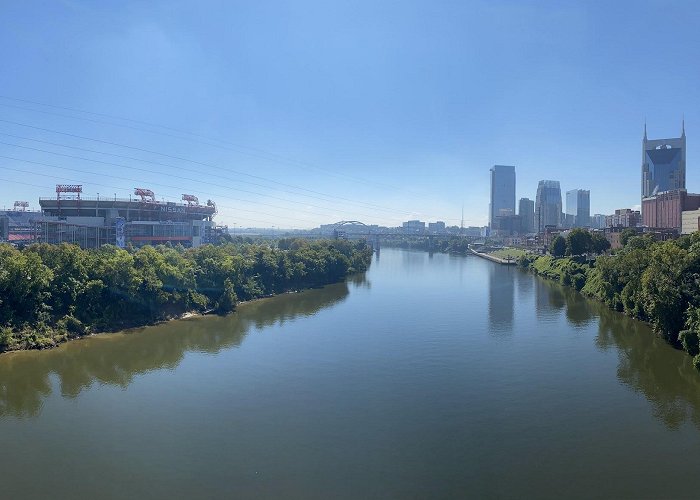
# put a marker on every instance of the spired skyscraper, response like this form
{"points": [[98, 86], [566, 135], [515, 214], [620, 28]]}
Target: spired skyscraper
{"points": [[547, 205], [502, 192], [663, 164], [578, 207]]}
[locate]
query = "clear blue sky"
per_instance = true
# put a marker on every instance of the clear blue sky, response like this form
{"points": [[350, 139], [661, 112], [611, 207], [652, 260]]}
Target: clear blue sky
{"points": [[399, 108]]}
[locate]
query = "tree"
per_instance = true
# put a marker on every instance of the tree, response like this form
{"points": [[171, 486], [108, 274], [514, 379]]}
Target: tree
{"points": [[558, 246], [578, 242], [599, 243], [662, 294], [626, 235]]}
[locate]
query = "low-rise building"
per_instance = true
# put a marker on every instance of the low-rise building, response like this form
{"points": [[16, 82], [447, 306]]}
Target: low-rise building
{"points": [[436, 227], [506, 225], [690, 221], [414, 226], [624, 217], [598, 221], [664, 210]]}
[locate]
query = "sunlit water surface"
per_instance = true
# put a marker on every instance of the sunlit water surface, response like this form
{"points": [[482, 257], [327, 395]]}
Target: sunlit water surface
{"points": [[433, 376]]}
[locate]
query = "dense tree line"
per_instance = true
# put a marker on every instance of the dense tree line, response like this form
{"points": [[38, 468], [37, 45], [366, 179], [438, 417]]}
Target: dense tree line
{"points": [[50, 293], [445, 244], [579, 242], [657, 282]]}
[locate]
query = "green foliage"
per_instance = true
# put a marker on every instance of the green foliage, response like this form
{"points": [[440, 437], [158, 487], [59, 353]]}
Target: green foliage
{"points": [[578, 242], [558, 246], [599, 243], [658, 282], [565, 271], [49, 293], [689, 341], [525, 261], [626, 235]]}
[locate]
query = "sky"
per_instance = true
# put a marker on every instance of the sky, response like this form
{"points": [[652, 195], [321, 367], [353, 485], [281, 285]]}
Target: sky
{"points": [[300, 113]]}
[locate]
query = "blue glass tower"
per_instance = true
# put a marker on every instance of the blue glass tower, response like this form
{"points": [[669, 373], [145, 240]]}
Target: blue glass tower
{"points": [[663, 164]]}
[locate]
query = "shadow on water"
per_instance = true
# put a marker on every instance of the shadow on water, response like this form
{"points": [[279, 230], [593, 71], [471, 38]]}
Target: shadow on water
{"points": [[646, 363], [649, 365], [25, 377]]}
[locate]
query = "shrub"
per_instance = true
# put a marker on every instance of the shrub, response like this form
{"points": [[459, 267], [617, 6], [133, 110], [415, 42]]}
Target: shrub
{"points": [[690, 342]]}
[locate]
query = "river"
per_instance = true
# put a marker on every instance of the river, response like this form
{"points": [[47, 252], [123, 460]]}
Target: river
{"points": [[432, 376]]}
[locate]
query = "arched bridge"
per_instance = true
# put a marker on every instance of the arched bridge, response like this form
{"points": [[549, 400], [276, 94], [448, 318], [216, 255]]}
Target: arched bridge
{"points": [[372, 235]]}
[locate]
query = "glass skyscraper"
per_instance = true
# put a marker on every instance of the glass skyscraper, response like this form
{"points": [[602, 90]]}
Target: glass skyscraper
{"points": [[526, 211], [663, 164], [578, 207], [502, 192], [548, 205]]}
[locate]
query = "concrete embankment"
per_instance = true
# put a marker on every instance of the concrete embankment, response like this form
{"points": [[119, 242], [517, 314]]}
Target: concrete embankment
{"points": [[506, 262]]}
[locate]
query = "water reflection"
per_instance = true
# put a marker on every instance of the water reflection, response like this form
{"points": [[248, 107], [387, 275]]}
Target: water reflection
{"points": [[501, 298], [549, 299], [649, 365], [580, 311], [25, 378], [525, 284]]}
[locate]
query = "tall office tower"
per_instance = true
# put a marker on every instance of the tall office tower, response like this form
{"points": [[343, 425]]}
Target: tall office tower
{"points": [[548, 205], [502, 192], [526, 211], [578, 207], [663, 164]]}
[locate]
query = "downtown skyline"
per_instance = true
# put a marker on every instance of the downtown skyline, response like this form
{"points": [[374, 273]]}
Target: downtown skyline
{"points": [[386, 128]]}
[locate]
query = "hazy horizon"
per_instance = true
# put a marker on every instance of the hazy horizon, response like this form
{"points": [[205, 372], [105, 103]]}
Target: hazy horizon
{"points": [[295, 114]]}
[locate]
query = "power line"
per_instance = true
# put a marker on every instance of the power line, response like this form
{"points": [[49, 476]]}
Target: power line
{"points": [[100, 141], [326, 199], [232, 147], [154, 183], [172, 175], [166, 155], [120, 189]]}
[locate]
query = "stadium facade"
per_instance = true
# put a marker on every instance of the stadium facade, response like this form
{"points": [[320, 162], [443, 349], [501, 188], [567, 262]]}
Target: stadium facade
{"points": [[91, 222]]}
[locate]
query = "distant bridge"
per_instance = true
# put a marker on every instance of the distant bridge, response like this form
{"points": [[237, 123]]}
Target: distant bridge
{"points": [[373, 236]]}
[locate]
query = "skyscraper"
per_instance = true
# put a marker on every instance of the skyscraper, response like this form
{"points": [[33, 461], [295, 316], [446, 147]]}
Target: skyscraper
{"points": [[663, 164], [578, 207], [502, 192], [547, 205], [526, 211]]}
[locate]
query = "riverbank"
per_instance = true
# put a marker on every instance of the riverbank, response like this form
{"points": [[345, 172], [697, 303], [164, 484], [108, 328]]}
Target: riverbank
{"points": [[651, 281], [52, 294], [501, 256]]}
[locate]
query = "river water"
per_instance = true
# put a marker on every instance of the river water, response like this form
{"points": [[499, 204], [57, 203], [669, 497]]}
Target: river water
{"points": [[432, 376]]}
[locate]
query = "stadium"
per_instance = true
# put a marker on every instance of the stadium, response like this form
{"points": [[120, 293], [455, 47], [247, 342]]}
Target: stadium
{"points": [[91, 222]]}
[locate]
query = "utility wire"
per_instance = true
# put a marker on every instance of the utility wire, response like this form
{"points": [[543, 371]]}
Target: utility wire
{"points": [[166, 155], [232, 147], [326, 199], [154, 183], [189, 179]]}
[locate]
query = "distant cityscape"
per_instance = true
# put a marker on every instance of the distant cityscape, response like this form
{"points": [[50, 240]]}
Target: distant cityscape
{"points": [[667, 210]]}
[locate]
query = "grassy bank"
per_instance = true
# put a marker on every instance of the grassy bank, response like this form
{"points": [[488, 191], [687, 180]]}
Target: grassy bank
{"points": [[509, 253]]}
